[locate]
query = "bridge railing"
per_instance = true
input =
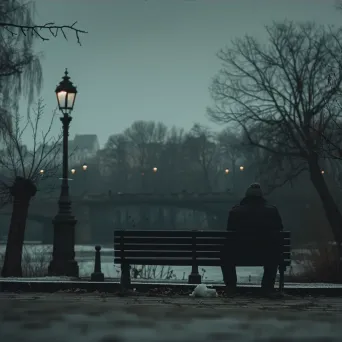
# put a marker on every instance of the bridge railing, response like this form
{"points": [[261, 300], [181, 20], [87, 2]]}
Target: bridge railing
{"points": [[148, 195]]}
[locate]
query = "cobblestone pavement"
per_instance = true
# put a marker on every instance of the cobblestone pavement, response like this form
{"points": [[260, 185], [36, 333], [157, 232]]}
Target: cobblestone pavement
{"points": [[99, 317]]}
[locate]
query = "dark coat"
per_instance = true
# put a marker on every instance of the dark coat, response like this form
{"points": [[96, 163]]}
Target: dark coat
{"points": [[254, 213]]}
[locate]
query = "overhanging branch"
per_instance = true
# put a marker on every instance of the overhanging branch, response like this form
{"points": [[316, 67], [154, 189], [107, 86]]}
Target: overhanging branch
{"points": [[36, 30]]}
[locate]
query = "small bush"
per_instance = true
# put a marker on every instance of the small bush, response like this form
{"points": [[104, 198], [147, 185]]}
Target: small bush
{"points": [[319, 263], [150, 272], [34, 261]]}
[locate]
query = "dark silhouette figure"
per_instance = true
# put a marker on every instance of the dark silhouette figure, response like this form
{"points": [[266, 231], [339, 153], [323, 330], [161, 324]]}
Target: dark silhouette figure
{"points": [[252, 214]]}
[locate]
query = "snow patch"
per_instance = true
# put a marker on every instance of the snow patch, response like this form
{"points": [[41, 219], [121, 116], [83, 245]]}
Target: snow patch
{"points": [[203, 290]]}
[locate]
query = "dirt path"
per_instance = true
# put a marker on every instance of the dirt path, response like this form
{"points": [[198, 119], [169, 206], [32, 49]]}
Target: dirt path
{"points": [[98, 317]]}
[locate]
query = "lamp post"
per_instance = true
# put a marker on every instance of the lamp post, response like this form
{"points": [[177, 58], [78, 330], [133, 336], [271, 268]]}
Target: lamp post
{"points": [[143, 182], [155, 169], [63, 257], [241, 179], [84, 168], [226, 172]]}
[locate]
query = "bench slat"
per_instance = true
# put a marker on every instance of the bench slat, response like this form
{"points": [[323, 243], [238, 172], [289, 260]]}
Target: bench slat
{"points": [[188, 254], [167, 247], [187, 262], [189, 233], [188, 241], [175, 247], [154, 240]]}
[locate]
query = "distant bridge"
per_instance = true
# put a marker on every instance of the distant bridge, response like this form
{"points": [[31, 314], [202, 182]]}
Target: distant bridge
{"points": [[151, 198], [206, 202]]}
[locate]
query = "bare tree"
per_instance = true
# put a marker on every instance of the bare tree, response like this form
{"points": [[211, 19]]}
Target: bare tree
{"points": [[22, 170], [20, 68], [202, 149], [117, 161], [173, 161], [146, 139], [231, 150], [283, 89], [272, 170]]}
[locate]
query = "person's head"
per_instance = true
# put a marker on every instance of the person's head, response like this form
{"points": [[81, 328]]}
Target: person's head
{"points": [[254, 191]]}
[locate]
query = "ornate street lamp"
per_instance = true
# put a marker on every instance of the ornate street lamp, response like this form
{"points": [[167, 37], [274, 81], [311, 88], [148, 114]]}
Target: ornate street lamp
{"points": [[155, 169], [63, 258], [241, 168], [73, 171], [84, 167], [226, 171]]}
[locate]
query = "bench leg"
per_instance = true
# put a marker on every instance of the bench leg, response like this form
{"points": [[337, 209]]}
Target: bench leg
{"points": [[125, 277], [194, 276]]}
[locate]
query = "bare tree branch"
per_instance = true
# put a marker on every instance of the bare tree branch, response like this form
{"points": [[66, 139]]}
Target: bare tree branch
{"points": [[36, 30], [281, 90], [20, 67]]}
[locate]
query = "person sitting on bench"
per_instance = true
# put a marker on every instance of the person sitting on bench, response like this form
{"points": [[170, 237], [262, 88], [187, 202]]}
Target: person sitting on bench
{"points": [[252, 214]]}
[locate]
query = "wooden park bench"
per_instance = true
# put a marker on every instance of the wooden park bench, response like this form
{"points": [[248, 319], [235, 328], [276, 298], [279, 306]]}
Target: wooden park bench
{"points": [[198, 248]]}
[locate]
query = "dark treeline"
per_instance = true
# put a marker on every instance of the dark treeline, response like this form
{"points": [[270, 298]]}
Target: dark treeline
{"points": [[150, 157]]}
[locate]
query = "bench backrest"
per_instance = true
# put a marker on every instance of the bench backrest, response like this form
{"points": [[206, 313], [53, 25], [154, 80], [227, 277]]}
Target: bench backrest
{"points": [[180, 247]]}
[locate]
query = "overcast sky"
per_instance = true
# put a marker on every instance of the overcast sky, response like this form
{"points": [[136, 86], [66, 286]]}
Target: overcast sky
{"points": [[154, 59]]}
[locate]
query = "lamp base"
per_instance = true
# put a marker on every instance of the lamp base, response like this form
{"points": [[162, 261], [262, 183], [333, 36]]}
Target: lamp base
{"points": [[67, 268], [194, 278], [97, 276], [63, 261]]}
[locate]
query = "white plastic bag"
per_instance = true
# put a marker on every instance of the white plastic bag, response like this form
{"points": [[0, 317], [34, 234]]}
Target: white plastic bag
{"points": [[202, 290]]}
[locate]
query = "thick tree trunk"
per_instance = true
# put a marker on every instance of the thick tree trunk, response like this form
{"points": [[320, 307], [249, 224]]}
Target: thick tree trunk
{"points": [[332, 212], [22, 191]]}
